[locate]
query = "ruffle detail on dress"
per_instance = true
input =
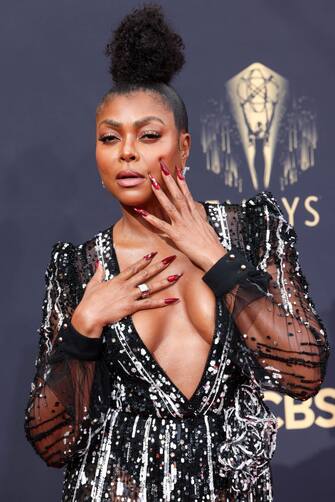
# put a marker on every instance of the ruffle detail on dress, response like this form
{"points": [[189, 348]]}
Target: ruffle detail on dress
{"points": [[251, 433]]}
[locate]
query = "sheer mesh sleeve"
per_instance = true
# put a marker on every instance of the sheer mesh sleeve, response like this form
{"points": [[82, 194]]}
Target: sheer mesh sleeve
{"points": [[70, 371], [281, 342]]}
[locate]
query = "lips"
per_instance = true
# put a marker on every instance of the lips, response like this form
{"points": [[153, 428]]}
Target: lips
{"points": [[129, 174], [129, 178]]}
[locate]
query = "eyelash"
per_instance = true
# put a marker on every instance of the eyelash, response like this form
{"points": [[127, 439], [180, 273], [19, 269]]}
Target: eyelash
{"points": [[104, 139]]}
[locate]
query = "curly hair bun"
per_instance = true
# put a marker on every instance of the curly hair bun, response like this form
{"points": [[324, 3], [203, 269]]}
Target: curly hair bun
{"points": [[144, 48]]}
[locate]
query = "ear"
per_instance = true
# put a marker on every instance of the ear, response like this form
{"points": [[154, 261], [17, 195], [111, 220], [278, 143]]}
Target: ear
{"points": [[185, 145]]}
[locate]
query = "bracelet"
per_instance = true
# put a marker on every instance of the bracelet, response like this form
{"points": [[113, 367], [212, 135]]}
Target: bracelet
{"points": [[77, 345], [231, 269]]}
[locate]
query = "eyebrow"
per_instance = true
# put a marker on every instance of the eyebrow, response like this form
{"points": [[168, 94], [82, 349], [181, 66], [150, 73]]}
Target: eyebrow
{"points": [[137, 123]]}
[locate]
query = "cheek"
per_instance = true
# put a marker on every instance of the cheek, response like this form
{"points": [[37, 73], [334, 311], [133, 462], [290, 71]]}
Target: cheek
{"points": [[163, 150], [104, 159]]}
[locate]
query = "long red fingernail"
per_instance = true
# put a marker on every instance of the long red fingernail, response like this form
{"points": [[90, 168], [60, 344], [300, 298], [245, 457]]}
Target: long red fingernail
{"points": [[164, 168], [150, 255], [154, 182], [174, 277], [170, 300], [169, 259], [142, 212], [97, 264], [179, 173]]}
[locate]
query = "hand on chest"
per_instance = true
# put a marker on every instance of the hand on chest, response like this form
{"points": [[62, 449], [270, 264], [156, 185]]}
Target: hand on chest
{"points": [[191, 318]]}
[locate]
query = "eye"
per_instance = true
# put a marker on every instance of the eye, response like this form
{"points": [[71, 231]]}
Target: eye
{"points": [[151, 135], [107, 138]]}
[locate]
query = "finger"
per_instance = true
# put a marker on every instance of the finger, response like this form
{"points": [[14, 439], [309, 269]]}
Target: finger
{"points": [[156, 222], [170, 209], [159, 285], [153, 303], [153, 270], [133, 269], [182, 183], [165, 283], [98, 275], [177, 195]]}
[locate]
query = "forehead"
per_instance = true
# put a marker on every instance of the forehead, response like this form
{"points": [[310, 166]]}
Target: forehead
{"points": [[128, 108]]}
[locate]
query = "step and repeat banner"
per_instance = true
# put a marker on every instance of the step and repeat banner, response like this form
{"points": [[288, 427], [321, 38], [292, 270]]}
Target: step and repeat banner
{"points": [[259, 86]]}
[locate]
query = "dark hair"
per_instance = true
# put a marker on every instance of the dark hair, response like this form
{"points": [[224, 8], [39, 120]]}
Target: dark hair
{"points": [[145, 54]]}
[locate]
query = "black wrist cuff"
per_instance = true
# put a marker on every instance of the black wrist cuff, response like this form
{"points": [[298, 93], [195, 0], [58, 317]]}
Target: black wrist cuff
{"points": [[228, 271], [77, 345]]}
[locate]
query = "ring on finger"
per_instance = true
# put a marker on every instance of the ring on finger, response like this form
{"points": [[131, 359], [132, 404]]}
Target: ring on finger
{"points": [[144, 288]]}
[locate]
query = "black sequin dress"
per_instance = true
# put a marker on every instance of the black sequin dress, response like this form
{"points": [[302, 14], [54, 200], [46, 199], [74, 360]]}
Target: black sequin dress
{"points": [[106, 411]]}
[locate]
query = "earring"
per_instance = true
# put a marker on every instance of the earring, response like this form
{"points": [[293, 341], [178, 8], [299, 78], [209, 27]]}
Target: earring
{"points": [[103, 184], [186, 168]]}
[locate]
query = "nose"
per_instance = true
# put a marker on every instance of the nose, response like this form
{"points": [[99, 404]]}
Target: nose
{"points": [[127, 156], [128, 152]]}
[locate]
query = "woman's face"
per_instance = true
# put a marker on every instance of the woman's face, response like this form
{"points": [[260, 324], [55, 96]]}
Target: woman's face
{"points": [[134, 132]]}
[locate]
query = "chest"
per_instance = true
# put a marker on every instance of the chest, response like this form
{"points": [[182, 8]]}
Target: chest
{"points": [[190, 320], [189, 323]]}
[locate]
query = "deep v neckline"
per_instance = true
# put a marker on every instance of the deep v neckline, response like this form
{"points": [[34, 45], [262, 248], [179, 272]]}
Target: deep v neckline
{"points": [[128, 318]]}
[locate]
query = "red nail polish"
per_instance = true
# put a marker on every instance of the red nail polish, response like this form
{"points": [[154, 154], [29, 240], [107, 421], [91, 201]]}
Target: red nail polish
{"points": [[154, 182], [173, 278], [97, 264], [164, 168], [142, 212], [150, 255], [170, 300], [168, 259], [179, 173]]}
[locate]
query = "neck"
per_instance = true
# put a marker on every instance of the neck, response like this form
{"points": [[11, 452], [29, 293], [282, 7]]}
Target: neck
{"points": [[134, 226]]}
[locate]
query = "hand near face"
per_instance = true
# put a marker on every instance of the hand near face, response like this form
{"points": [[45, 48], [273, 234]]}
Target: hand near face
{"points": [[190, 232]]}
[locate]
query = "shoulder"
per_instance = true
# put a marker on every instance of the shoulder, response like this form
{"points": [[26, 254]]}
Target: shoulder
{"points": [[61, 251], [265, 223], [64, 249], [80, 256], [262, 209], [259, 222], [255, 203], [263, 201], [61, 261]]}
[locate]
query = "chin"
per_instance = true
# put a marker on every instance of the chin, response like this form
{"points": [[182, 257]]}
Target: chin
{"points": [[133, 196]]}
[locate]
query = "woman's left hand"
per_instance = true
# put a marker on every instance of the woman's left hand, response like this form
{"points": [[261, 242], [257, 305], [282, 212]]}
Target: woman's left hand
{"points": [[191, 233]]}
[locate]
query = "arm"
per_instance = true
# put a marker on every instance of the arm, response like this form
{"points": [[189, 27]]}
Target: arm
{"points": [[281, 341], [69, 368]]}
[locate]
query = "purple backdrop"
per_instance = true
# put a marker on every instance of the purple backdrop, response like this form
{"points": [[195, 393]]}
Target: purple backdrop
{"points": [[54, 73]]}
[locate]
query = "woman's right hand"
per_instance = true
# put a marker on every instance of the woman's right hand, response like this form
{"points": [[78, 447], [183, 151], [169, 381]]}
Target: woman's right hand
{"points": [[105, 302]]}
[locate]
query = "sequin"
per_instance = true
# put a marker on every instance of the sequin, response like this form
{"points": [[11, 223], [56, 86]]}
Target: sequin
{"points": [[117, 423]]}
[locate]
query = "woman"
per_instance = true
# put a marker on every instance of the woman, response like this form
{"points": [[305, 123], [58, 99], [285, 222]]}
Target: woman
{"points": [[160, 333]]}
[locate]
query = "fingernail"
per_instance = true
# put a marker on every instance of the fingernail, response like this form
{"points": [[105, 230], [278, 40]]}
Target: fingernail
{"points": [[179, 173], [174, 277], [169, 259], [170, 300], [150, 255], [164, 168], [142, 212], [97, 264], [154, 182]]}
